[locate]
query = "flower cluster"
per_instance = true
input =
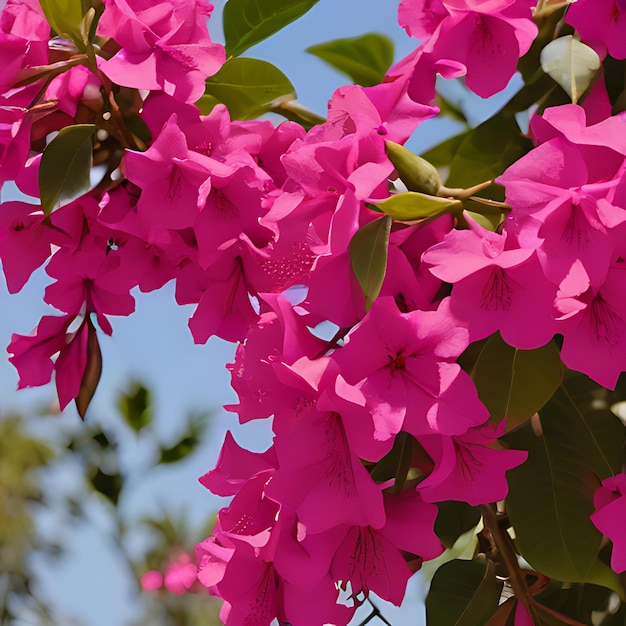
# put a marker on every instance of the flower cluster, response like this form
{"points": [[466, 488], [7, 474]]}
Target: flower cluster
{"points": [[258, 224]]}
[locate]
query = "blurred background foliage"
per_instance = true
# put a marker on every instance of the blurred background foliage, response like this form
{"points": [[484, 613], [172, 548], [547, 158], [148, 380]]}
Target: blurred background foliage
{"points": [[29, 458]]}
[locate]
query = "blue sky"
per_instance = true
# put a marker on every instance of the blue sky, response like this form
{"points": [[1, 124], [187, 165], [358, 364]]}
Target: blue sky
{"points": [[155, 345]]}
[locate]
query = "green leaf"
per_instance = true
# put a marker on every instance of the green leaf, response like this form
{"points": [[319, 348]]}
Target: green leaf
{"points": [[551, 498], [188, 442], [135, 405], [442, 154], [463, 593], [364, 59], [248, 87], [368, 256], [455, 519], [65, 166], [414, 207], [601, 431], [64, 16], [247, 22], [485, 152], [514, 384]]}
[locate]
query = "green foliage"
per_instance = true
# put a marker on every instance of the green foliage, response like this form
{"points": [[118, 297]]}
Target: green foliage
{"points": [[364, 59], [484, 152], [65, 17], [551, 495], [413, 207], [248, 87], [514, 384], [135, 406], [248, 22], [187, 442], [66, 165], [368, 257], [463, 593]]}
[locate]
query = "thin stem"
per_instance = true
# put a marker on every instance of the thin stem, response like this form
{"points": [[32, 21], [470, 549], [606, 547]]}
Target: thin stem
{"points": [[503, 543]]}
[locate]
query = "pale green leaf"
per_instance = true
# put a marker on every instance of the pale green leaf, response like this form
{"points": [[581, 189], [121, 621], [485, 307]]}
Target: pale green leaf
{"points": [[413, 207], [571, 63]]}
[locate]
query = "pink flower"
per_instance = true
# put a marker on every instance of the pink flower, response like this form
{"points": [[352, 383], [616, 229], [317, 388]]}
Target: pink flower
{"points": [[404, 365], [151, 580], [497, 286], [165, 45], [485, 38], [600, 23], [24, 242], [610, 516]]}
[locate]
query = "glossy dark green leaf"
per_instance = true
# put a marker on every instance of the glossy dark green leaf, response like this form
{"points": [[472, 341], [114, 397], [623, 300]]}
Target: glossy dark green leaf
{"points": [[64, 16], [602, 433], [135, 405], [551, 497], [247, 22], [414, 207], [368, 256], [454, 519], [65, 166], [463, 593], [248, 87], [516, 383], [486, 151], [364, 59]]}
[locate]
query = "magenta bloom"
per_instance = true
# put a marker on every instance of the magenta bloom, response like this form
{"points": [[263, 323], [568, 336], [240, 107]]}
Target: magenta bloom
{"points": [[32, 356], [497, 286], [24, 242], [610, 516], [485, 38], [164, 45], [404, 365], [466, 468], [601, 24]]}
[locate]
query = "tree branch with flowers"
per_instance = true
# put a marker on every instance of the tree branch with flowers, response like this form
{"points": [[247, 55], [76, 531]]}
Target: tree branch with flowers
{"points": [[439, 360]]}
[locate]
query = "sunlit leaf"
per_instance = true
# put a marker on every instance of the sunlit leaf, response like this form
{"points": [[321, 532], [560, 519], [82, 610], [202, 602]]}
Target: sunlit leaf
{"points": [[514, 384], [364, 59], [247, 22], [65, 166], [571, 63], [248, 87], [64, 16], [414, 207], [368, 256], [463, 593]]}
